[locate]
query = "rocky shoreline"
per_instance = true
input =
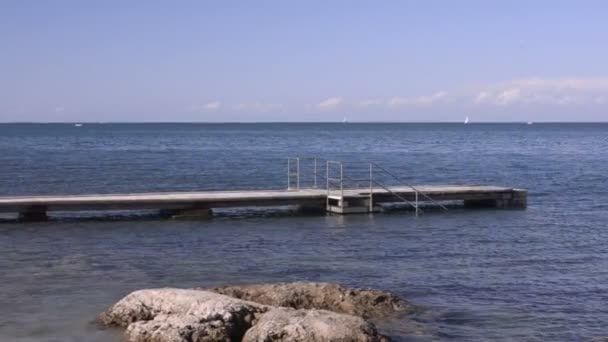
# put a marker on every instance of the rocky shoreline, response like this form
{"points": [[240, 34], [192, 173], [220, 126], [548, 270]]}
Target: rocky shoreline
{"points": [[299, 311]]}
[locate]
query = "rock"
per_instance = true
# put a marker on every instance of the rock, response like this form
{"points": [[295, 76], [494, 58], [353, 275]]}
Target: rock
{"points": [[365, 303], [289, 325], [164, 314], [288, 312], [182, 328]]}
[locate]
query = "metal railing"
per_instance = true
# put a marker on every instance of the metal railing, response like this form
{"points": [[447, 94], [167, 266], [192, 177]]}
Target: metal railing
{"points": [[371, 182], [329, 164], [297, 179], [417, 191], [335, 179], [291, 173]]}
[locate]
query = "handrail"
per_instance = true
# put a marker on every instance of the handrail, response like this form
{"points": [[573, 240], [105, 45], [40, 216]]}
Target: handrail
{"points": [[374, 168], [290, 173], [391, 192], [331, 179], [399, 196], [397, 178]]}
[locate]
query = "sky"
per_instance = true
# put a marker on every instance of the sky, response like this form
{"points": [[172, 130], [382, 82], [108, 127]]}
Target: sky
{"points": [[225, 61]]}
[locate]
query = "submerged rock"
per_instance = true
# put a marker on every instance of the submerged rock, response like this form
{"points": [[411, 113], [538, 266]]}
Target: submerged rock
{"points": [[366, 303], [290, 325]]}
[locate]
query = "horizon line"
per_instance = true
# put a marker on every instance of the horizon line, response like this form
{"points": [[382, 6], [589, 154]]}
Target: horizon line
{"points": [[298, 122]]}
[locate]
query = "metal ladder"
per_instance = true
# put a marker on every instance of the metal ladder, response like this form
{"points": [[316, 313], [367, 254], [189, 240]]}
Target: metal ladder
{"points": [[402, 182], [335, 179]]}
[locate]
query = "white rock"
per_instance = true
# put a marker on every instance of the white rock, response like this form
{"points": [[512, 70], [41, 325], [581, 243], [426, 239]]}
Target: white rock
{"points": [[289, 325], [157, 315], [181, 328]]}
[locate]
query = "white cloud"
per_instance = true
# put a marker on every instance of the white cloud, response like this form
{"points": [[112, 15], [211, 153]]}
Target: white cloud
{"points": [[482, 97], [213, 105], [257, 106], [330, 103], [521, 92], [417, 101], [253, 107], [508, 96], [534, 92], [370, 103], [540, 91]]}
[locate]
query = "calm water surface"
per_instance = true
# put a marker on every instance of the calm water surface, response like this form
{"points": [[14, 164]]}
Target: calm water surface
{"points": [[539, 274]]}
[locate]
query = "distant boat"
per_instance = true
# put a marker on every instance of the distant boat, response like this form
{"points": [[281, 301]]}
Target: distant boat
{"points": [[344, 120], [530, 122], [466, 120], [78, 125]]}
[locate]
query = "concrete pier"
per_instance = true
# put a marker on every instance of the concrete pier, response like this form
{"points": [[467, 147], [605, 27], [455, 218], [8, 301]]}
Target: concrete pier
{"points": [[188, 204]]}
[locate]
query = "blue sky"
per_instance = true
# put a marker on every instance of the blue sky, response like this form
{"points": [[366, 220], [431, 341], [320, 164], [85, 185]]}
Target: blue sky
{"points": [[303, 61]]}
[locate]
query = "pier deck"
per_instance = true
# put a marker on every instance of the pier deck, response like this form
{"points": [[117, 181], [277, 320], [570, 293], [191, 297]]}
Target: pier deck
{"points": [[37, 207]]}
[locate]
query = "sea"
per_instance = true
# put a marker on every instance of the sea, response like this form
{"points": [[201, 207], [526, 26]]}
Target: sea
{"points": [[539, 274]]}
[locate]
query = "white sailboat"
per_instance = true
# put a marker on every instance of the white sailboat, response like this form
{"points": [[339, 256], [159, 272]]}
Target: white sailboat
{"points": [[466, 120], [344, 120]]}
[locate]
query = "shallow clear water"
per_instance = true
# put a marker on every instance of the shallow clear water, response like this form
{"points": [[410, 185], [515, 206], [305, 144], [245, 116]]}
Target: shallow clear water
{"points": [[538, 274]]}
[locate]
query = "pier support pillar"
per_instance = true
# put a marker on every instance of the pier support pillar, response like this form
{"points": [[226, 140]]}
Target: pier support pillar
{"points": [[518, 199], [187, 214], [33, 214], [312, 208], [485, 203], [354, 205]]}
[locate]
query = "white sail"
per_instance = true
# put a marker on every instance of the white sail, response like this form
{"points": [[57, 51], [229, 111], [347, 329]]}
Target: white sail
{"points": [[466, 120]]}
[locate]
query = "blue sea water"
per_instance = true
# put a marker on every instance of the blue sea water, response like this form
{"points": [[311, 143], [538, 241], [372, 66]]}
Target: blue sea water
{"points": [[505, 275]]}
